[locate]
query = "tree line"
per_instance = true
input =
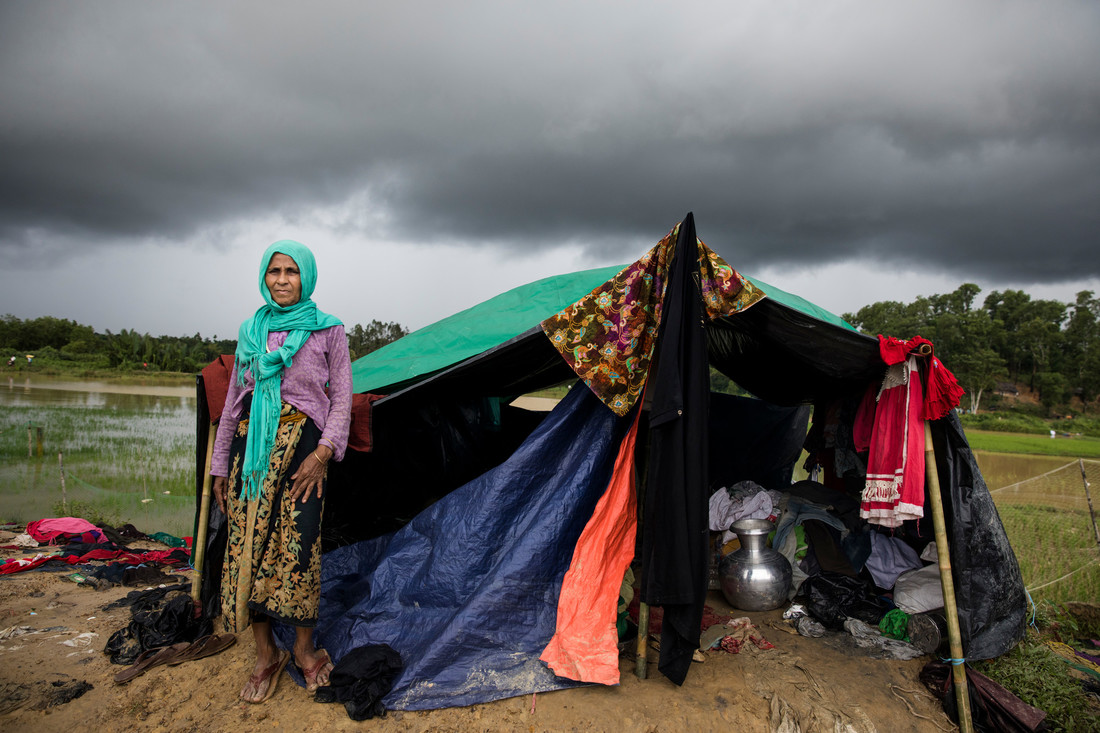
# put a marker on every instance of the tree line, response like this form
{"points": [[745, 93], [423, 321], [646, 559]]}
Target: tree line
{"points": [[58, 341], [1010, 338]]}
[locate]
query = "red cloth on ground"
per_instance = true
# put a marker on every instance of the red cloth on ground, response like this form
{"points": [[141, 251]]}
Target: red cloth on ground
{"points": [[47, 531], [585, 642], [360, 435], [130, 558]]}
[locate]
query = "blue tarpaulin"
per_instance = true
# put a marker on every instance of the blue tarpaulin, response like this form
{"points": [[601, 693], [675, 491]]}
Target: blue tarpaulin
{"points": [[467, 592]]}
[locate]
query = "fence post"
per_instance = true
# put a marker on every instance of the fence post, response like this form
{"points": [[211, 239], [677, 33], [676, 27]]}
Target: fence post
{"points": [[1088, 497], [64, 498]]}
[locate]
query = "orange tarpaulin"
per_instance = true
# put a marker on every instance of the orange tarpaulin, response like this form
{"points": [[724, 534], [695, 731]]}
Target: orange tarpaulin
{"points": [[585, 642]]}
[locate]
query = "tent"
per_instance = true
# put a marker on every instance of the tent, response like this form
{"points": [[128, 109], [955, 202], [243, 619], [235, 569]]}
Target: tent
{"points": [[487, 543]]}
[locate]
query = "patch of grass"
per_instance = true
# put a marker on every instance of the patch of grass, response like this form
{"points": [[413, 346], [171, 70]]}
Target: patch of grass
{"points": [[86, 511], [1040, 678], [997, 442], [1016, 421]]}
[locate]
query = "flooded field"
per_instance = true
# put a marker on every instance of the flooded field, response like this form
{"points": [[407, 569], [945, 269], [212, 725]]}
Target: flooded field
{"points": [[1004, 469], [126, 449]]}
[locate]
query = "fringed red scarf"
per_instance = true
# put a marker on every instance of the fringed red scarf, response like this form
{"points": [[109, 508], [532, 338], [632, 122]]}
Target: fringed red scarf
{"points": [[942, 393]]}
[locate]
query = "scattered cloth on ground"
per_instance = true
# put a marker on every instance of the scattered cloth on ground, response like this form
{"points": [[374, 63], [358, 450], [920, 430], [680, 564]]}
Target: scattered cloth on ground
{"points": [[1080, 661], [81, 640], [167, 539], [40, 695], [808, 626], [742, 631], [158, 617], [166, 557], [122, 536], [21, 541], [361, 679], [868, 637], [48, 531], [895, 624]]}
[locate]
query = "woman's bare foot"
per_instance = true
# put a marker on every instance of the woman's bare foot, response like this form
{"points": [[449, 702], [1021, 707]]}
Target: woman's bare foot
{"points": [[265, 676], [314, 664]]}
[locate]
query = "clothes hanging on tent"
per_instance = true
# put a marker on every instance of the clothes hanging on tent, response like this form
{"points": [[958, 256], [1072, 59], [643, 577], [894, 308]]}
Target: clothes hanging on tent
{"points": [[894, 490], [942, 392]]}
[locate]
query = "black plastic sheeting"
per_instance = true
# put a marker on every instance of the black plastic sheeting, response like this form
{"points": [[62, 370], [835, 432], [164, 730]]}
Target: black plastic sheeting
{"points": [[753, 440], [989, 589]]}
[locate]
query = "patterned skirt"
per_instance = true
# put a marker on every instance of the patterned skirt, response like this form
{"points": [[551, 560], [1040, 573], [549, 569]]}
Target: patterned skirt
{"points": [[273, 555]]}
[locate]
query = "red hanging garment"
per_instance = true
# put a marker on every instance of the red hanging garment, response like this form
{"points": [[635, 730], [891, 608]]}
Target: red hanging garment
{"points": [[894, 491]]}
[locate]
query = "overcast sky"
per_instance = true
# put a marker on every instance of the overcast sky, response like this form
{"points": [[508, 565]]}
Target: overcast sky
{"points": [[435, 154]]}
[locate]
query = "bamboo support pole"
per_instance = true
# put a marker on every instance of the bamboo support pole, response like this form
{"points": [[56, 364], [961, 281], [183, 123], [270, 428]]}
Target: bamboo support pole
{"points": [[951, 611], [1088, 497], [642, 653], [198, 549], [38, 434], [30, 441], [64, 498]]}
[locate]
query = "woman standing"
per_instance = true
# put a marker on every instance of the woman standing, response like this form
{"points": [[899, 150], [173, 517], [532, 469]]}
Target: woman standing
{"points": [[278, 431]]}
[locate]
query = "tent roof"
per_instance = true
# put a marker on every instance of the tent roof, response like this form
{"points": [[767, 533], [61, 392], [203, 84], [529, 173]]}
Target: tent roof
{"points": [[509, 319], [472, 331]]}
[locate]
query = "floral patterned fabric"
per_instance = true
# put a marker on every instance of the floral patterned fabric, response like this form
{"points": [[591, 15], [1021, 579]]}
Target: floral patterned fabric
{"points": [[273, 556], [608, 336]]}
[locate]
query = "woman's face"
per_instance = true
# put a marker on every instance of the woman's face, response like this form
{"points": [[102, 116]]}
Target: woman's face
{"points": [[283, 280]]}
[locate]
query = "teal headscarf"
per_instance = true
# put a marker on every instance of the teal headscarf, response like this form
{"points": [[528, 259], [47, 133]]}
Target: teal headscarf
{"points": [[266, 367]]}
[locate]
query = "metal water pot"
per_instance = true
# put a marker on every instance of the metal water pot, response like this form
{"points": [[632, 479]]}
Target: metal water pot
{"points": [[755, 577]]}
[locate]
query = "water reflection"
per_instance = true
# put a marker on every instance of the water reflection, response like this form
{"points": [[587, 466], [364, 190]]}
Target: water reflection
{"points": [[153, 395]]}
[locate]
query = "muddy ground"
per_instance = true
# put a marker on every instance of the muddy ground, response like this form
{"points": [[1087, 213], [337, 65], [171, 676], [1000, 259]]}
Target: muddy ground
{"points": [[54, 676]]}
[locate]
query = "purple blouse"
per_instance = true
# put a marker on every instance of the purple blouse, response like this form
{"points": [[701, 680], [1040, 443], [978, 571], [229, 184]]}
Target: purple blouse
{"points": [[322, 359]]}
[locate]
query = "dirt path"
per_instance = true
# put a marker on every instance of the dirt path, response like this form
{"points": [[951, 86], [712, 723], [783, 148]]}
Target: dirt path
{"points": [[812, 684]]}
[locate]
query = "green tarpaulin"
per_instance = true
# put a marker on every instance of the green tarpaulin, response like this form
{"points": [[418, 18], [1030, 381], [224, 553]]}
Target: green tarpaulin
{"points": [[505, 316]]}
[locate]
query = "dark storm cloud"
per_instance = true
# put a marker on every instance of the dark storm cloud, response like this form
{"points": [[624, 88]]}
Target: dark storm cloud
{"points": [[961, 136]]}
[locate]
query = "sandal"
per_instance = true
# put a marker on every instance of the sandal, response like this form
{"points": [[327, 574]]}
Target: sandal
{"points": [[269, 675], [149, 659], [204, 647], [311, 673]]}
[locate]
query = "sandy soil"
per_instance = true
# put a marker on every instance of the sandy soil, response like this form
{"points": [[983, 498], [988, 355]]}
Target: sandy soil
{"points": [[803, 684]]}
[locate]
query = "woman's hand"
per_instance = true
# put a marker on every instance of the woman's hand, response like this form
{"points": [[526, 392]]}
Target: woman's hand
{"points": [[221, 487], [310, 474]]}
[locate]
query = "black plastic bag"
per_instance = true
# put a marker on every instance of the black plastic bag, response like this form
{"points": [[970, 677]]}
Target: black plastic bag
{"points": [[833, 598]]}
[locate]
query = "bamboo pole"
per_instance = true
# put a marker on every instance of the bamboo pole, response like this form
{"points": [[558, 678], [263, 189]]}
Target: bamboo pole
{"points": [[954, 636], [30, 441], [64, 498], [198, 549], [38, 433], [641, 651], [1088, 497]]}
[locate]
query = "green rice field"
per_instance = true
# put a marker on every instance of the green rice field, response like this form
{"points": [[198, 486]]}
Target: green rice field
{"points": [[126, 458]]}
